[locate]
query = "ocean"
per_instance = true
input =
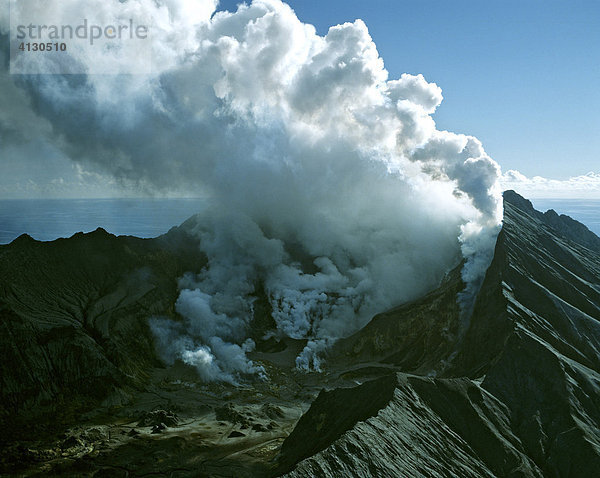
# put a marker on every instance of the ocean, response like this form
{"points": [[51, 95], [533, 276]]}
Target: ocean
{"points": [[586, 211], [49, 219]]}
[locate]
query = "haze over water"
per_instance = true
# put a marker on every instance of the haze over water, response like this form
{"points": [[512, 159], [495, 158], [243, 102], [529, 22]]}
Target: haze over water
{"points": [[49, 219], [46, 220], [586, 211]]}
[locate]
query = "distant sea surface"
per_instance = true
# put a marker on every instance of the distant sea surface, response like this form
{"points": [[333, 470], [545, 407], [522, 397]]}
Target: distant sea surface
{"points": [[586, 211], [49, 219], [46, 220]]}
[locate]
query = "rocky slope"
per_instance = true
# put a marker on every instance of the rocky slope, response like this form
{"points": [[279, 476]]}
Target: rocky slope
{"points": [[73, 319], [514, 391], [520, 396]]}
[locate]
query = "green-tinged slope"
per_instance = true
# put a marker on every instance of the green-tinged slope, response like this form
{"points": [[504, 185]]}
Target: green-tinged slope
{"points": [[73, 318], [423, 427]]}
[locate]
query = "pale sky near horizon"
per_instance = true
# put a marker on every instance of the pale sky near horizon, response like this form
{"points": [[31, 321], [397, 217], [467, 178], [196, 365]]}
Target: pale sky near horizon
{"points": [[521, 76]]}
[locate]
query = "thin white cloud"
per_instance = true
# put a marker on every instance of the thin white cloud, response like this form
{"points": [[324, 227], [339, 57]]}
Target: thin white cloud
{"points": [[586, 186]]}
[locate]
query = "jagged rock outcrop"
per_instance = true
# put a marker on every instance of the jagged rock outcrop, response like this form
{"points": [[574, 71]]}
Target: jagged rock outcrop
{"points": [[518, 395], [405, 425], [543, 345]]}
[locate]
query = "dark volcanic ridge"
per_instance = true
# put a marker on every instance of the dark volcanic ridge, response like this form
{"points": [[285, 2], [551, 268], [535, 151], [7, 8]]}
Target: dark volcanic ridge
{"points": [[513, 392]]}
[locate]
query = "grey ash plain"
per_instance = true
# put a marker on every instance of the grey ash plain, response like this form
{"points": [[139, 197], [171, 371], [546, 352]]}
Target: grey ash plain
{"points": [[416, 392]]}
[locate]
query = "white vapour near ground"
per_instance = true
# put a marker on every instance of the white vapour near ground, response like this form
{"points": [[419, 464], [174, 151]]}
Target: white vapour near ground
{"points": [[331, 189]]}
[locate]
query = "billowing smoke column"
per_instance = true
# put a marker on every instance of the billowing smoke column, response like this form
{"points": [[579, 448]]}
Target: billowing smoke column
{"points": [[330, 188]]}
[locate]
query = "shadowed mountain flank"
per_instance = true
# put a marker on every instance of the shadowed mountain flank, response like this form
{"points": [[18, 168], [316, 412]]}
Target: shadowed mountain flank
{"points": [[421, 390], [424, 427], [74, 318], [520, 393]]}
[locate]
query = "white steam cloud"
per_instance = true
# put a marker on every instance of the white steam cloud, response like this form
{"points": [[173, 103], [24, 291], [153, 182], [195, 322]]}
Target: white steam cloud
{"points": [[331, 189]]}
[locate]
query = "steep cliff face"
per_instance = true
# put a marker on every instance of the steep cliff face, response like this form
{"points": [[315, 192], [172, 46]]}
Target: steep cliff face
{"points": [[416, 337], [518, 395], [424, 427], [547, 371]]}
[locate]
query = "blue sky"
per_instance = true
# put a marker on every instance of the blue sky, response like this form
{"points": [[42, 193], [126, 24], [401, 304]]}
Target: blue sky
{"points": [[523, 76]]}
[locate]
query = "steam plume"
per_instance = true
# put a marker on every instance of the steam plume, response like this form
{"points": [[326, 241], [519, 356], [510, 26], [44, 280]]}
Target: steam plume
{"points": [[330, 187]]}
